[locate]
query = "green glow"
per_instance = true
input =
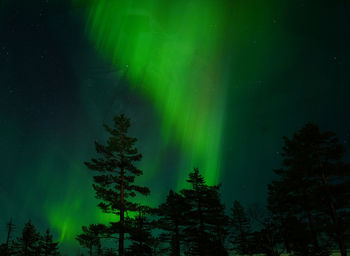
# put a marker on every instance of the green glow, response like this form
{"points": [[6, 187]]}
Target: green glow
{"points": [[182, 57], [170, 51]]}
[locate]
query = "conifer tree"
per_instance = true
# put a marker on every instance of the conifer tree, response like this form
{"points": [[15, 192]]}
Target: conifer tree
{"points": [[171, 221], [28, 243], [115, 184], [316, 183], [49, 247], [140, 234], [205, 218], [6, 248], [241, 233], [90, 239]]}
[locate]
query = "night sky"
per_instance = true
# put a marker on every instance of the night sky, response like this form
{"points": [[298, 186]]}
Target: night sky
{"points": [[208, 84]]}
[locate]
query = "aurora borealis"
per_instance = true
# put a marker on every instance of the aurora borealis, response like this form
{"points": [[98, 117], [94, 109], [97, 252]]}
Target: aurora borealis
{"points": [[208, 84], [175, 65]]}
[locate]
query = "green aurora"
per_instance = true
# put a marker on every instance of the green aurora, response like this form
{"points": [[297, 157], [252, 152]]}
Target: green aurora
{"points": [[212, 84], [175, 54], [170, 51], [175, 66]]}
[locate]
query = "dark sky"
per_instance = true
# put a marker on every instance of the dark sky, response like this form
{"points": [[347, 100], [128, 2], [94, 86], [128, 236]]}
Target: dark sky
{"points": [[282, 65]]}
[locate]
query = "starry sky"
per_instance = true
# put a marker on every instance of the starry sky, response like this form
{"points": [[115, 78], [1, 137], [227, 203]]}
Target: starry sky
{"points": [[208, 84]]}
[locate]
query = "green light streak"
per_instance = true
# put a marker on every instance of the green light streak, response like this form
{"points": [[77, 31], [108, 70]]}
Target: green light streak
{"points": [[170, 51], [184, 57]]}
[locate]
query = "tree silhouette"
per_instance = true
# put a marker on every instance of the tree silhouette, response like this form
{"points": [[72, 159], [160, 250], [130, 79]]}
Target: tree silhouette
{"points": [[206, 222], [315, 183], [7, 247], [90, 238], [241, 233], [140, 234], [115, 184], [49, 247], [28, 244], [171, 221]]}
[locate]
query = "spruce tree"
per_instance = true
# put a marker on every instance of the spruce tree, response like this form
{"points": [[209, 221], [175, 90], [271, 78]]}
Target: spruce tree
{"points": [[49, 247], [87, 239], [115, 184], [6, 248], [317, 183], [28, 243], [90, 238], [140, 234], [267, 240], [241, 233], [205, 227], [171, 221]]}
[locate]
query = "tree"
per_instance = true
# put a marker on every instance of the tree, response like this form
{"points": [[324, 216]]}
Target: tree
{"points": [[206, 222], [109, 252], [7, 248], [91, 238], [28, 243], [316, 183], [140, 234], [241, 233], [268, 239], [296, 220], [171, 221], [49, 247], [115, 184]]}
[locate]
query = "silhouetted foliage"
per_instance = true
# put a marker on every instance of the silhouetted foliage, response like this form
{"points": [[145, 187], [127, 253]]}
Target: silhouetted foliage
{"points": [[241, 232], [109, 252], [115, 185], [314, 187], [7, 248], [206, 223], [308, 206], [171, 221], [49, 247], [266, 238], [28, 244], [90, 238], [140, 235]]}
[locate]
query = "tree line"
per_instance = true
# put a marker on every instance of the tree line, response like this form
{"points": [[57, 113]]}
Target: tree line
{"points": [[29, 243], [307, 211]]}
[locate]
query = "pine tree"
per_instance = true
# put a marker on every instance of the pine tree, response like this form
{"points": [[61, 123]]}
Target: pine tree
{"points": [[317, 183], [171, 221], [90, 239], [218, 220], [294, 218], [293, 196], [241, 233], [6, 248], [205, 227], [140, 234], [49, 247], [267, 240], [28, 243], [115, 184]]}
